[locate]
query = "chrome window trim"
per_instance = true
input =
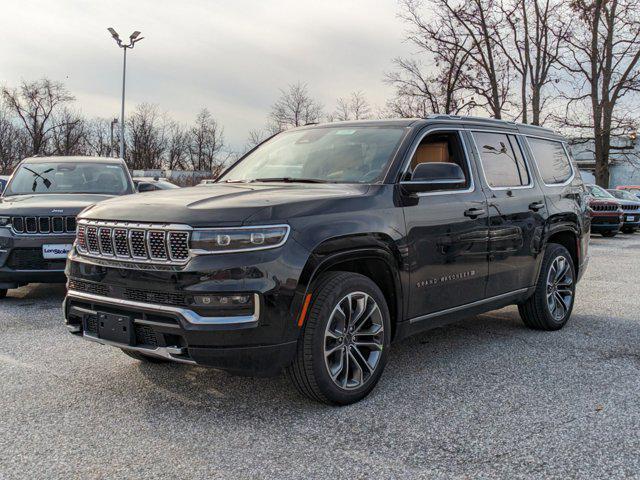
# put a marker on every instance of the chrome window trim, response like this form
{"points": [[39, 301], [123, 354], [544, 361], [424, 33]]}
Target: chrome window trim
{"points": [[516, 135], [188, 315], [407, 162], [566, 152]]}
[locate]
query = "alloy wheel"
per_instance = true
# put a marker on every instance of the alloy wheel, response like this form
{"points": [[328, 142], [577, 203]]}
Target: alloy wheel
{"points": [[559, 288], [353, 340]]}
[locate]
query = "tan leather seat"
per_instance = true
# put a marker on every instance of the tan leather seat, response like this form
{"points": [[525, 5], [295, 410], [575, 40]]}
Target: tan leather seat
{"points": [[431, 152]]}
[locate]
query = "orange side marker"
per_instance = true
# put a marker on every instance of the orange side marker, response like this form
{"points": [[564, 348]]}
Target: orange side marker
{"points": [[305, 307]]}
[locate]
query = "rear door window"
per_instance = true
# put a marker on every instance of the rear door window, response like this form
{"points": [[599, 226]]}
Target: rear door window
{"points": [[552, 160], [502, 160]]}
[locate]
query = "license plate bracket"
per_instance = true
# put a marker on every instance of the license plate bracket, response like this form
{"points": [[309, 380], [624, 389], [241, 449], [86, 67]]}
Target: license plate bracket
{"points": [[115, 328], [631, 218]]}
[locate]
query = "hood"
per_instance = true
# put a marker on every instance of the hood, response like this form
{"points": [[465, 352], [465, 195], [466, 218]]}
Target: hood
{"points": [[49, 204], [624, 201], [224, 204]]}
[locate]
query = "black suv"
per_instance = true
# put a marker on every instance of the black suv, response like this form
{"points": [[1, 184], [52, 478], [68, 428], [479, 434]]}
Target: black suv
{"points": [[326, 243], [38, 212]]}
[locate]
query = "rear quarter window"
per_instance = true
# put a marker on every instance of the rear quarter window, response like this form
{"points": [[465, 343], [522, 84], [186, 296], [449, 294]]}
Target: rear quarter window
{"points": [[552, 160]]}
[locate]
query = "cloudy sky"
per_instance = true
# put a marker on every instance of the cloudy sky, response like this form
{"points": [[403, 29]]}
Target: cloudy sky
{"points": [[230, 56]]}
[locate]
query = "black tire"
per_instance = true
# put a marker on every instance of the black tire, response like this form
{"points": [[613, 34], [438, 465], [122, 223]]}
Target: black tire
{"points": [[309, 372], [609, 233], [142, 357], [3, 292], [628, 230], [536, 312]]}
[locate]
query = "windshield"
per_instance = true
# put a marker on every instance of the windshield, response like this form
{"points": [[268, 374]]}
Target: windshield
{"points": [[67, 177], [599, 192], [623, 195], [335, 154]]}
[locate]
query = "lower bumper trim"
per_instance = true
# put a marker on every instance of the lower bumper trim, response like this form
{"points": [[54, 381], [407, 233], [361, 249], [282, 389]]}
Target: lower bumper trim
{"points": [[167, 353]]}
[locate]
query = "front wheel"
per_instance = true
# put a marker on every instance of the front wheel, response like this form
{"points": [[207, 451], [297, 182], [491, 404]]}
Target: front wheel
{"points": [[609, 233], [3, 292], [343, 347], [550, 306]]}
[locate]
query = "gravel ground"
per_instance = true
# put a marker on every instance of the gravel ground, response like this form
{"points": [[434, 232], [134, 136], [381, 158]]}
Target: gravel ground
{"points": [[482, 398]]}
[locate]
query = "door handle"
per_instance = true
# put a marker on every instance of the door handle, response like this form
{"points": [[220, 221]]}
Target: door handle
{"points": [[474, 212], [535, 206]]}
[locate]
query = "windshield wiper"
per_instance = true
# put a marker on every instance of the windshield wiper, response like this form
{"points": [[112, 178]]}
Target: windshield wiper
{"points": [[290, 180]]}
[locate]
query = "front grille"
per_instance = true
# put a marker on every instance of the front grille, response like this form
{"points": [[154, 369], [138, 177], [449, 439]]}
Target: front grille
{"points": [[162, 298], [89, 287], [604, 208], [145, 336], [32, 259], [43, 225], [92, 324], [630, 207], [134, 242]]}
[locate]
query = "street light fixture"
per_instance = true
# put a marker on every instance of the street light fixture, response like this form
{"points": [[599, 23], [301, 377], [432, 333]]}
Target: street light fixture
{"points": [[133, 39]]}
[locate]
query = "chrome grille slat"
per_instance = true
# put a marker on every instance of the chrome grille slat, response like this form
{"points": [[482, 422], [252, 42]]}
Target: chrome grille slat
{"points": [[134, 242], [45, 225]]}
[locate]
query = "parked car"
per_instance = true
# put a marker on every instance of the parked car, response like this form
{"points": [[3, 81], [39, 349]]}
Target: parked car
{"points": [[151, 184], [4, 179], [631, 207], [606, 212], [326, 243], [633, 189], [38, 212]]}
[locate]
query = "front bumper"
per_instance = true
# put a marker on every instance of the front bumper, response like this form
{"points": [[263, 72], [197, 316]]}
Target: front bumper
{"points": [[631, 220], [22, 262], [166, 323]]}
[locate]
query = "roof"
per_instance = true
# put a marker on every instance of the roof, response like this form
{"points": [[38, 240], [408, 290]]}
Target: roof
{"points": [[525, 129], [78, 158]]}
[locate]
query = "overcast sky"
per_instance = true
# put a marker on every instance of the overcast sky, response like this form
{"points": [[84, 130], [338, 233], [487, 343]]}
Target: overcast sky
{"points": [[230, 56]]}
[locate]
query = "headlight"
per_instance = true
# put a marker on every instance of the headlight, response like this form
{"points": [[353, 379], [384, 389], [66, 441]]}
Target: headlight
{"points": [[5, 221], [238, 239]]}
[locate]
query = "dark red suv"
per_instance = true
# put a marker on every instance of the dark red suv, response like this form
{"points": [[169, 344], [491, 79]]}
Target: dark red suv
{"points": [[606, 213]]}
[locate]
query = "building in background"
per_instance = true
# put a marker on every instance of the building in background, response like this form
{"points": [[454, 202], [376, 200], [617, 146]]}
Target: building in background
{"points": [[624, 162]]}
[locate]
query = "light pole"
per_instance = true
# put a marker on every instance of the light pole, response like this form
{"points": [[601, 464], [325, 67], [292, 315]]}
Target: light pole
{"points": [[113, 122], [133, 38]]}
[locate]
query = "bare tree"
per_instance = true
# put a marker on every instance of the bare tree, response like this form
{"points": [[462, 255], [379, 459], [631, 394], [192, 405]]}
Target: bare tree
{"points": [[13, 143], [35, 104], [354, 107], [436, 85], [177, 147], [603, 50], [533, 47], [295, 108], [98, 137], [206, 142], [474, 28], [70, 137], [146, 142]]}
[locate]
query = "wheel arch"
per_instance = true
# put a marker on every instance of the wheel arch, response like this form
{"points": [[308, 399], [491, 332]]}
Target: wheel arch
{"points": [[372, 255], [566, 235]]}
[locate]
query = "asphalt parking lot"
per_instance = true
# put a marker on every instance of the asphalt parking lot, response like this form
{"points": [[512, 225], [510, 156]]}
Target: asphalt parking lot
{"points": [[482, 398]]}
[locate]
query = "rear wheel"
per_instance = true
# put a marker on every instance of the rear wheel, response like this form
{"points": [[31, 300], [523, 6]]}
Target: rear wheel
{"points": [[550, 306], [609, 233], [343, 347], [142, 357]]}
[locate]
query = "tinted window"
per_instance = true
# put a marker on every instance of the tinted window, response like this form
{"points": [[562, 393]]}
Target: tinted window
{"points": [[552, 160], [69, 177], [502, 160], [441, 147], [333, 154]]}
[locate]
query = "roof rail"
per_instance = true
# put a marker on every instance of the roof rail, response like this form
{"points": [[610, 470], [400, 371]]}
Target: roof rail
{"points": [[487, 120]]}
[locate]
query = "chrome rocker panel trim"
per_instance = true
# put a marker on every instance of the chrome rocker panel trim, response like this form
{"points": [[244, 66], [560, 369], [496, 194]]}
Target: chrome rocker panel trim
{"points": [[188, 315]]}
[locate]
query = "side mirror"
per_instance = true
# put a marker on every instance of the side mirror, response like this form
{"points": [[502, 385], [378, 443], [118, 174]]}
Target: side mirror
{"points": [[435, 176], [146, 187]]}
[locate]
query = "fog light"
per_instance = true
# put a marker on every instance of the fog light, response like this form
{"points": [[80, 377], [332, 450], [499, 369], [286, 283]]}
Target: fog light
{"points": [[223, 301]]}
